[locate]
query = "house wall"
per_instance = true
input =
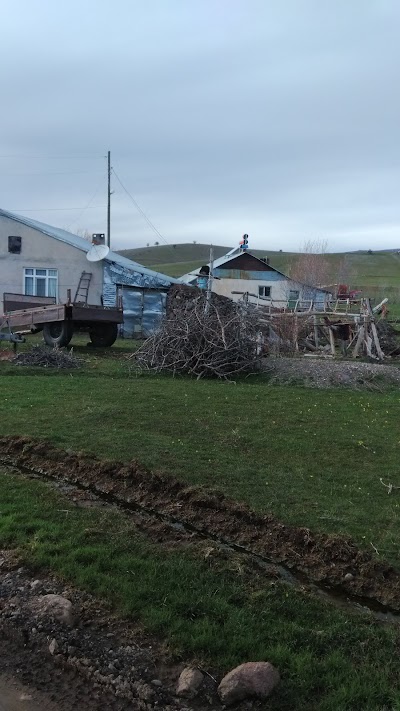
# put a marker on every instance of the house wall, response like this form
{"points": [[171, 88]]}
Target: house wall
{"points": [[235, 280], [41, 251], [229, 280]]}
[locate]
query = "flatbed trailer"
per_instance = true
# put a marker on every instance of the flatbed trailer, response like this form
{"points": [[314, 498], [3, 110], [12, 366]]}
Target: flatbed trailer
{"points": [[59, 321]]}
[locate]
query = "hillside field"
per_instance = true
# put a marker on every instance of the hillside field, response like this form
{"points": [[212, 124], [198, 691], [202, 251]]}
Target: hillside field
{"points": [[376, 271]]}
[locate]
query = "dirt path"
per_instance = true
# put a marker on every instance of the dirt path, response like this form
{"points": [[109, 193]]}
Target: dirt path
{"points": [[327, 560], [16, 697], [96, 661]]}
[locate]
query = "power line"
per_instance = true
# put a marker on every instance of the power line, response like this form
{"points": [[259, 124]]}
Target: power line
{"points": [[70, 157], [66, 172], [54, 209], [87, 206], [139, 209]]}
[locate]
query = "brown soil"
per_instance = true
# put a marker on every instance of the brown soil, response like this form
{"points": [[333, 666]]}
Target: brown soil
{"points": [[100, 663], [321, 557]]}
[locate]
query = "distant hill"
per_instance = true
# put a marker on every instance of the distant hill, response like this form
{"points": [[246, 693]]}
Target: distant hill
{"points": [[375, 270]]}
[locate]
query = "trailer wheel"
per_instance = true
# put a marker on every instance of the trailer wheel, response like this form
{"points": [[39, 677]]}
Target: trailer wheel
{"points": [[103, 335], [58, 333]]}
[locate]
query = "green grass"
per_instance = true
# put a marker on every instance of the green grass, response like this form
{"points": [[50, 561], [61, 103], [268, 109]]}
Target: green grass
{"points": [[329, 660], [314, 458]]}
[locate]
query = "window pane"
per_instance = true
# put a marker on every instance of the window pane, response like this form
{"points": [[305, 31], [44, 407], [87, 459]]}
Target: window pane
{"points": [[52, 287], [28, 271], [52, 272], [40, 287], [41, 272], [29, 285], [261, 291]]}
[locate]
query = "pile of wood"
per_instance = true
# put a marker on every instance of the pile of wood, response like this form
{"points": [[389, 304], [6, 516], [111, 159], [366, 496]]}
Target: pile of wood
{"points": [[203, 337], [47, 358]]}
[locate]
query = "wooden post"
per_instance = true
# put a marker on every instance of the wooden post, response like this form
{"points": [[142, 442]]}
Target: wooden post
{"points": [[332, 341], [316, 337], [360, 339], [379, 351]]}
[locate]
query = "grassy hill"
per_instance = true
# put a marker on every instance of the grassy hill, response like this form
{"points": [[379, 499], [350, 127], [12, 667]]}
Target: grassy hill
{"points": [[377, 271]]}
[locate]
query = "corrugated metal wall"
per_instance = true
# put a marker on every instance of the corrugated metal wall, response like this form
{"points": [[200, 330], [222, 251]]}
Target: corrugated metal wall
{"points": [[143, 297]]}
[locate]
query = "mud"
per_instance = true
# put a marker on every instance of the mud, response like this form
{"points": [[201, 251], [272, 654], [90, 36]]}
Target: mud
{"points": [[101, 663], [323, 559]]}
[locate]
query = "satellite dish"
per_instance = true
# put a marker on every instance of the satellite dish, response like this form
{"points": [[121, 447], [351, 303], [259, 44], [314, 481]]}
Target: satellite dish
{"points": [[97, 252]]}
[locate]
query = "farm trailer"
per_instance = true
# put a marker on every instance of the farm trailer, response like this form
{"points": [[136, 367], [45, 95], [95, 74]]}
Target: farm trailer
{"points": [[59, 321]]}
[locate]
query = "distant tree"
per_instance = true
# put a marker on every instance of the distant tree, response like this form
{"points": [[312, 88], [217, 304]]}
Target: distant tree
{"points": [[311, 266], [174, 246], [148, 244], [370, 251], [194, 241], [156, 244]]}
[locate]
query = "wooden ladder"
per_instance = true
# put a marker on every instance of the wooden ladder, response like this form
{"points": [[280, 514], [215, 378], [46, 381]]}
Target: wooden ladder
{"points": [[81, 294]]}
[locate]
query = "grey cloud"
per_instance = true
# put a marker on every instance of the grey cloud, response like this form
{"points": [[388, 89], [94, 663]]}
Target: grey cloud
{"points": [[280, 119]]}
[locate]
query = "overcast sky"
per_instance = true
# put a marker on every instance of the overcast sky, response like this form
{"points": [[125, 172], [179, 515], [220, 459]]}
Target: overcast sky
{"points": [[279, 118]]}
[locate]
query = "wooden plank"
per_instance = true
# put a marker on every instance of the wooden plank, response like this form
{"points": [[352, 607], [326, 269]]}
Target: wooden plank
{"points": [[379, 350], [18, 302], [332, 341], [31, 317], [360, 339], [93, 313], [316, 336]]}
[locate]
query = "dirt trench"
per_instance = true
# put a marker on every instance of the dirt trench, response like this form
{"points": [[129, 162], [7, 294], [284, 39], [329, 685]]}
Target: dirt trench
{"points": [[332, 561]]}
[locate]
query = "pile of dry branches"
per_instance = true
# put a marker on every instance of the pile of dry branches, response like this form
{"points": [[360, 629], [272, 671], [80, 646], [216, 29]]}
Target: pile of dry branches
{"points": [[47, 358], [204, 339]]}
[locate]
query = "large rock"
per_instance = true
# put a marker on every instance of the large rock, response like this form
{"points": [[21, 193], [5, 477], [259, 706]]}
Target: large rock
{"points": [[56, 606], [189, 682], [249, 680]]}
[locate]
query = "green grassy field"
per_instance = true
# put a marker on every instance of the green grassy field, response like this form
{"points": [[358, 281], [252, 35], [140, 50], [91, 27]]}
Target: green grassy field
{"points": [[286, 449], [209, 611], [313, 458]]}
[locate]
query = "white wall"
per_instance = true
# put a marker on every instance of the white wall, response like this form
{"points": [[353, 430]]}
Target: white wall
{"points": [[279, 289], [43, 252]]}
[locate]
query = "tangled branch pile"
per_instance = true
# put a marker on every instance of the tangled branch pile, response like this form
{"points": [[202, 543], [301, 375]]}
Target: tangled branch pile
{"points": [[217, 340], [47, 358]]}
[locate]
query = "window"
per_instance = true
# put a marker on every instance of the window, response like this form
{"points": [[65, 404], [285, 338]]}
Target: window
{"points": [[14, 244], [264, 291], [41, 282]]}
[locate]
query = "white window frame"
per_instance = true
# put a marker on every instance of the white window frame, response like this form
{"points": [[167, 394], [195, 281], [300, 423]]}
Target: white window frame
{"points": [[261, 288], [31, 272]]}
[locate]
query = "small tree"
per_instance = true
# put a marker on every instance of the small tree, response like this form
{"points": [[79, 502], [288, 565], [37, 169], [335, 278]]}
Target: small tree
{"points": [[311, 266]]}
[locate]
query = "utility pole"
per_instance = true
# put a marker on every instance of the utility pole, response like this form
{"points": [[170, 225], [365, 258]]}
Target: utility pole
{"points": [[210, 281], [109, 199]]}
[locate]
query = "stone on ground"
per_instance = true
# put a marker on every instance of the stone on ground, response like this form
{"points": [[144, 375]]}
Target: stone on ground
{"points": [[249, 680], [56, 606], [189, 682]]}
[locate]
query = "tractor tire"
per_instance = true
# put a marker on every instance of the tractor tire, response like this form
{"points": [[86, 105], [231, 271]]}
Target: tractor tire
{"points": [[58, 333], [103, 335]]}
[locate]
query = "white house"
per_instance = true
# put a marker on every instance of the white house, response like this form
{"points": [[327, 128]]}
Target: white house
{"points": [[239, 272], [39, 260]]}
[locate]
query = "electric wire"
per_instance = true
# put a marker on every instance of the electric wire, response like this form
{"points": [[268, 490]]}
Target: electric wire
{"points": [[139, 209]]}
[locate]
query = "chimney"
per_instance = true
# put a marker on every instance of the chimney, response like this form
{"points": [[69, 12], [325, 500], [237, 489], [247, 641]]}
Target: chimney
{"points": [[98, 238]]}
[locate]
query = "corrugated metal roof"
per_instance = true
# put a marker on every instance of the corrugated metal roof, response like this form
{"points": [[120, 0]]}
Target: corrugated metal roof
{"points": [[84, 245]]}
